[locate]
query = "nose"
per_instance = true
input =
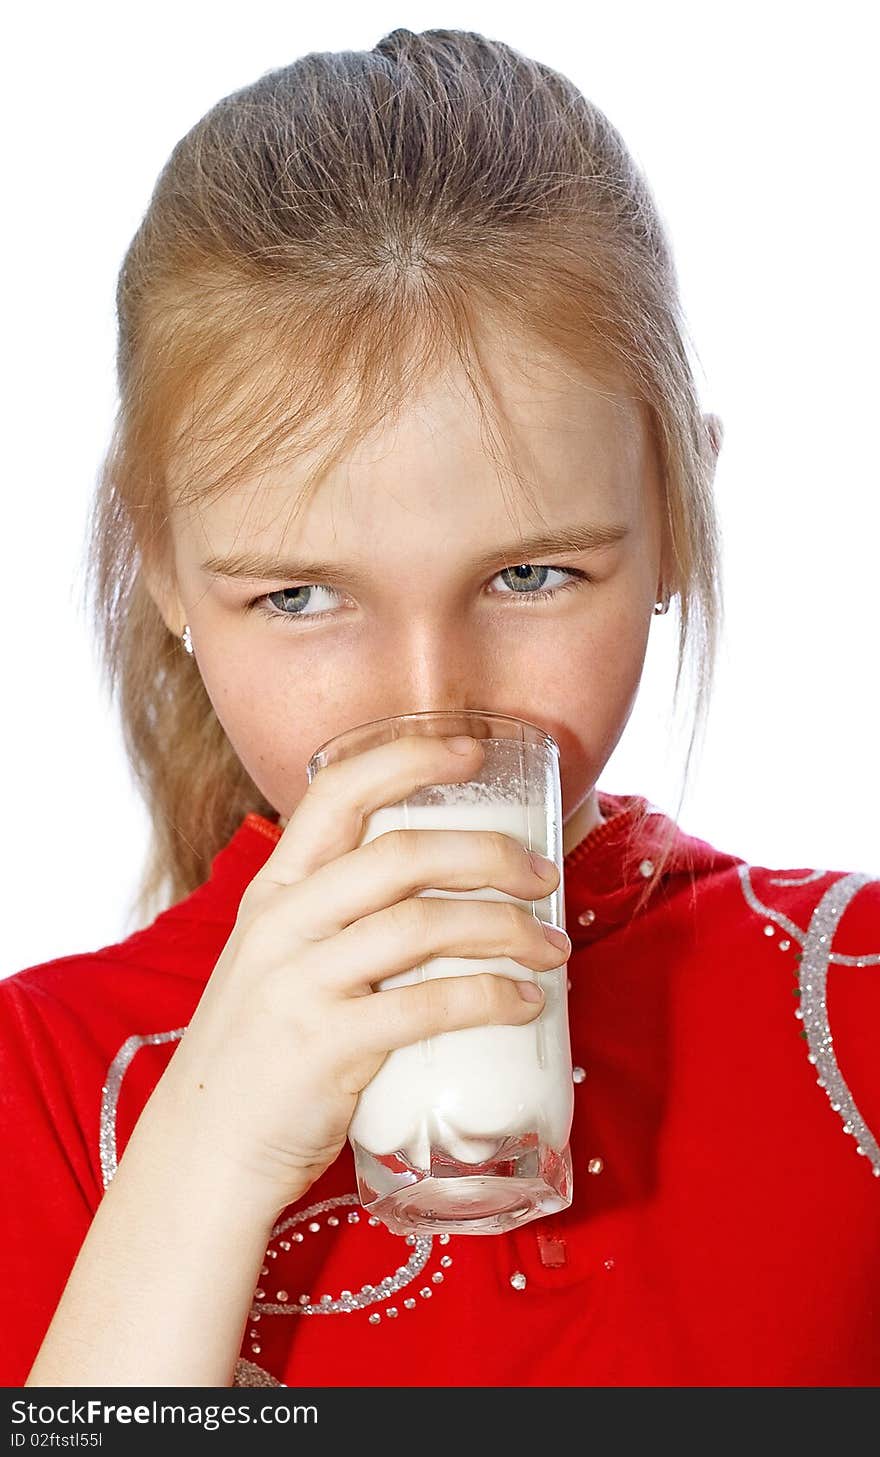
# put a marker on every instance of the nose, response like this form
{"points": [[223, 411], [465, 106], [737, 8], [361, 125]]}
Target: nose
{"points": [[432, 668]]}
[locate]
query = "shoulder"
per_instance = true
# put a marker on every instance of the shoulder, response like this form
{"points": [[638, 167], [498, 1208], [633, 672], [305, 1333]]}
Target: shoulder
{"points": [[819, 907], [58, 1003], [65, 1022], [176, 951], [179, 947], [828, 923]]}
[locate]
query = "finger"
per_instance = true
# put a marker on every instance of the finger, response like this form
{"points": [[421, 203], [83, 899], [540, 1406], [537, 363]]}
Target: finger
{"points": [[400, 863], [331, 816], [398, 1017], [401, 938]]}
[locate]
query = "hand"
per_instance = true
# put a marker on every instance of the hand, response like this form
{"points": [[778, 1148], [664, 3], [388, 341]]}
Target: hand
{"points": [[289, 1029]]}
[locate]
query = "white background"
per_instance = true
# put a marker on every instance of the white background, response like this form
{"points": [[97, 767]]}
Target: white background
{"points": [[756, 128]]}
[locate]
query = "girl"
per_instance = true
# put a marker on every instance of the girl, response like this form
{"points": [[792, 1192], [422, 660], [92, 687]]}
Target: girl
{"points": [[407, 422]]}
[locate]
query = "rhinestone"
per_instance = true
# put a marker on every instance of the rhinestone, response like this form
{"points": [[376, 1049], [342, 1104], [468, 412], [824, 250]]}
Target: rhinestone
{"points": [[446, 1261], [595, 1166], [784, 945], [258, 1294], [345, 1295], [353, 1217], [578, 1074], [332, 1221], [299, 1237], [437, 1278], [284, 1244], [256, 1348], [391, 1312], [375, 1318], [256, 1317], [859, 1148], [769, 930], [373, 1221], [305, 1300], [586, 918], [609, 1264], [799, 1014], [281, 1295], [518, 1280], [271, 1254], [646, 868], [409, 1304], [265, 1270], [426, 1293], [411, 1239], [326, 1299], [444, 1239], [314, 1226], [253, 1334]]}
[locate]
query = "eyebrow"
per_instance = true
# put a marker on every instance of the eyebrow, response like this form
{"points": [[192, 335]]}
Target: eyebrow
{"points": [[260, 566]]}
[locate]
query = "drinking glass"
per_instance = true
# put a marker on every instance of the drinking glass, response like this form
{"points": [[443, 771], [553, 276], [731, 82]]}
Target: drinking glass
{"points": [[467, 1132]]}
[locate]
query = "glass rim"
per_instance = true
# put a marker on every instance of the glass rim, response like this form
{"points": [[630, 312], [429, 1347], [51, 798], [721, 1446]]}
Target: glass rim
{"points": [[427, 714]]}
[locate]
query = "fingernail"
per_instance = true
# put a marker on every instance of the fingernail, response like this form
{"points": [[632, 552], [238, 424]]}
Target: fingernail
{"points": [[555, 936], [542, 865], [461, 744], [530, 991]]}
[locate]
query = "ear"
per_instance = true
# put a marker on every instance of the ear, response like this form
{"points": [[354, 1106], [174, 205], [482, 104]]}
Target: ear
{"points": [[164, 593], [715, 431]]}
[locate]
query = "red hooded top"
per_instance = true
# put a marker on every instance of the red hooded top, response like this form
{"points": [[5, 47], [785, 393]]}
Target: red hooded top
{"points": [[727, 1097]]}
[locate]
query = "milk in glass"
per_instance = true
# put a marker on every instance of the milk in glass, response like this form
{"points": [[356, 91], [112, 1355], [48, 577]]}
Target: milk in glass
{"points": [[468, 1092]]}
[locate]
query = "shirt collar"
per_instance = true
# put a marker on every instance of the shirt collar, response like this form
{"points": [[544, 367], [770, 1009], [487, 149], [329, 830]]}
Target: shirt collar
{"points": [[620, 866]]}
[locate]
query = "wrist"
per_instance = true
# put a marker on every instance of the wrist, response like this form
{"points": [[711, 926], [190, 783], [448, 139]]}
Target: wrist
{"points": [[184, 1147]]}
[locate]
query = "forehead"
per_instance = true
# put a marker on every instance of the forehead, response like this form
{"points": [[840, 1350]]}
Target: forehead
{"points": [[562, 437]]}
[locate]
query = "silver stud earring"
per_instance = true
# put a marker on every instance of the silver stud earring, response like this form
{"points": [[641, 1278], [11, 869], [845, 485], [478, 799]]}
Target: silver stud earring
{"points": [[662, 606], [186, 639]]}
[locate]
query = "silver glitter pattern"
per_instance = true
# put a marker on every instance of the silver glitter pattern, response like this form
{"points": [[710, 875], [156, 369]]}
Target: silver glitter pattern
{"points": [[816, 957], [246, 1373], [110, 1094], [348, 1300]]}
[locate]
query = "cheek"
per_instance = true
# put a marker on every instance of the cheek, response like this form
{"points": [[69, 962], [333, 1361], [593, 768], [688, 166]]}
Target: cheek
{"points": [[607, 658], [261, 712], [271, 723], [603, 671]]}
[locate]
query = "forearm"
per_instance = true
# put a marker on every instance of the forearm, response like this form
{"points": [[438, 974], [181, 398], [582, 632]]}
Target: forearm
{"points": [[162, 1286]]}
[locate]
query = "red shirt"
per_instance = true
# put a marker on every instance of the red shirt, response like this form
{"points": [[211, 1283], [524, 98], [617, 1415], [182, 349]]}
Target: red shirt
{"points": [[728, 1039]]}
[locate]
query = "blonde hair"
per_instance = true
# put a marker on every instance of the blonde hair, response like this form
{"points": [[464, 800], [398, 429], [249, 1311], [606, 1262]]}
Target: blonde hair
{"points": [[348, 221]]}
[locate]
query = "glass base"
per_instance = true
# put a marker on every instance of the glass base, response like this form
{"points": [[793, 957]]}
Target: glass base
{"points": [[523, 1180]]}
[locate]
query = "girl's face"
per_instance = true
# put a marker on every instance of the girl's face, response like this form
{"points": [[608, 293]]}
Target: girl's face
{"points": [[408, 582]]}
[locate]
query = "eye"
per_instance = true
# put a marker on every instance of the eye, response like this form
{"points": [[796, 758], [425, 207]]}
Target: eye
{"points": [[524, 574], [275, 605]]}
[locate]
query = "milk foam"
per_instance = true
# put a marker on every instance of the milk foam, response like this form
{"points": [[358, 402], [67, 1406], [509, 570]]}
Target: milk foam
{"points": [[464, 1092]]}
